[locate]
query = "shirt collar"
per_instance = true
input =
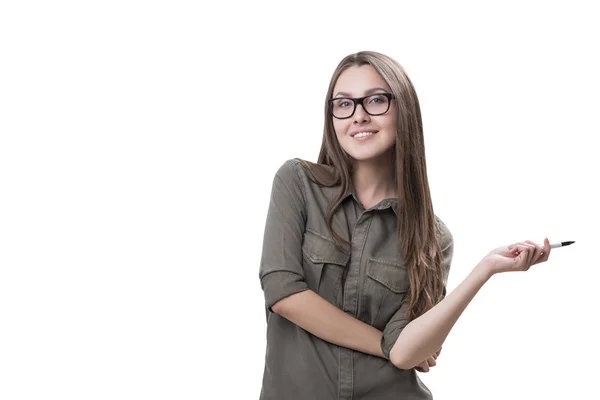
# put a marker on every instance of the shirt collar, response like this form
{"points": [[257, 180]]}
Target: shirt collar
{"points": [[382, 205]]}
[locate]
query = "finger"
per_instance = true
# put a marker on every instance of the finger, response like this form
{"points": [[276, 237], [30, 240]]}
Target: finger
{"points": [[521, 260], [530, 256], [531, 252], [535, 245], [545, 252], [539, 251], [528, 243], [423, 366], [547, 248], [535, 252], [514, 249], [518, 247]]}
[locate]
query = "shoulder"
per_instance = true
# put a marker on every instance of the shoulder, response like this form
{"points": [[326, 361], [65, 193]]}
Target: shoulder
{"points": [[289, 180], [314, 185], [288, 171], [298, 170], [446, 238]]}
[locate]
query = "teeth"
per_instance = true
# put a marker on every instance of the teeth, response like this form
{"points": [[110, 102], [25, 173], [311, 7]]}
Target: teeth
{"points": [[362, 134]]}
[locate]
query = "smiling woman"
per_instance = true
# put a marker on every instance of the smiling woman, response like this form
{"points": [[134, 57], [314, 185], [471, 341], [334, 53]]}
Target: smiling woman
{"points": [[355, 262]]}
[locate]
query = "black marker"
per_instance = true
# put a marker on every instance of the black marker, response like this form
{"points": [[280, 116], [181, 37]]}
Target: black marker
{"points": [[559, 244]]}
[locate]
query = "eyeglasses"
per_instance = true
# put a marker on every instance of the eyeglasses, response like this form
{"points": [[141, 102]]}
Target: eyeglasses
{"points": [[374, 104]]}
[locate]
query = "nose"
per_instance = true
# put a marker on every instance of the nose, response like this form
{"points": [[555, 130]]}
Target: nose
{"points": [[360, 115]]}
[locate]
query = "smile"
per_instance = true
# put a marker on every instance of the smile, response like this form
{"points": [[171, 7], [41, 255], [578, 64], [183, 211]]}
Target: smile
{"points": [[363, 135]]}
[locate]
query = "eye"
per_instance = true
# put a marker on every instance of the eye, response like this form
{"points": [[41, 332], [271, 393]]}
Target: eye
{"points": [[343, 103], [377, 99]]}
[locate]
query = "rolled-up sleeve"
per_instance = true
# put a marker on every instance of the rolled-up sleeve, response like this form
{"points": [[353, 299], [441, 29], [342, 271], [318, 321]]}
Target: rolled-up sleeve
{"points": [[392, 330], [281, 273], [399, 320], [447, 245]]}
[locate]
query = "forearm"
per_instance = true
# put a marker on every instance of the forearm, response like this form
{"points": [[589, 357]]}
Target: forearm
{"points": [[316, 315], [425, 335]]}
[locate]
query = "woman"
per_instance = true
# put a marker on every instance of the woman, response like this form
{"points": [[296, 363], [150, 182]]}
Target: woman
{"points": [[354, 262]]}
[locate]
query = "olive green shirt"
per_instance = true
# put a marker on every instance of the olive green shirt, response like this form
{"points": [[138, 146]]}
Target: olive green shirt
{"points": [[369, 283]]}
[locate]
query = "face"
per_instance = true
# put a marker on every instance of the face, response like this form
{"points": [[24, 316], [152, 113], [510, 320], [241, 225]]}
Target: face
{"points": [[380, 129]]}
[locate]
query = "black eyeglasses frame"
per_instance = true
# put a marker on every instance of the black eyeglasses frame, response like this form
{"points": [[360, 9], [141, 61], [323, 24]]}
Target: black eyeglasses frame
{"points": [[359, 100]]}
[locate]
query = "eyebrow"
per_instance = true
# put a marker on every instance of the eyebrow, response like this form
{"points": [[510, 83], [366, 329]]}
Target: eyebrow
{"points": [[368, 92]]}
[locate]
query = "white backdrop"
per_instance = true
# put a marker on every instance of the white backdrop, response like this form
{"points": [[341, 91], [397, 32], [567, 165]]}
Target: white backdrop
{"points": [[138, 146]]}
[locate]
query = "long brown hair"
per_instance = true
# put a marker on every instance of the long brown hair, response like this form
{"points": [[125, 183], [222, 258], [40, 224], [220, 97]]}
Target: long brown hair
{"points": [[417, 227]]}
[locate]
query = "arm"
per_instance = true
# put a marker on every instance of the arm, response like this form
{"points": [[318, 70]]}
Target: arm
{"points": [[282, 275], [316, 315], [424, 335]]}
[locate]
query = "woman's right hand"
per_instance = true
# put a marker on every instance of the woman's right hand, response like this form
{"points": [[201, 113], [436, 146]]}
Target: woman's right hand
{"points": [[430, 362], [519, 256]]}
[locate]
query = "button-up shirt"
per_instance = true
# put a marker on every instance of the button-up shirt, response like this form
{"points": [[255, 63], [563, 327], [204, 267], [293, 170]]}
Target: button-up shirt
{"points": [[369, 282]]}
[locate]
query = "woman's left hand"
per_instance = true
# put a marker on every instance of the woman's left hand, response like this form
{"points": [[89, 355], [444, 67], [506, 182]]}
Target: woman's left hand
{"points": [[519, 256]]}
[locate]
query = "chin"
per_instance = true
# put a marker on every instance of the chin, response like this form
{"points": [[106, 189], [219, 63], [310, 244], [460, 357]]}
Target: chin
{"points": [[367, 155]]}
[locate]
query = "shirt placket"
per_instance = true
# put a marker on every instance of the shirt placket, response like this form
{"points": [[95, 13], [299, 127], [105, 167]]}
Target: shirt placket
{"points": [[350, 302]]}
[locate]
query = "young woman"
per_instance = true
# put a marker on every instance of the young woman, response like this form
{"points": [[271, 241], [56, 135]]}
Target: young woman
{"points": [[355, 262]]}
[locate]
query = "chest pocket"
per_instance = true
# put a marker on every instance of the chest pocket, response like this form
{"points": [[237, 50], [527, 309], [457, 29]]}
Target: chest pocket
{"points": [[324, 266], [385, 288]]}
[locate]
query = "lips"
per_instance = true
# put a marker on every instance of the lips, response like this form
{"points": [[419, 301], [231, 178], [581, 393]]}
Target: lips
{"points": [[353, 134], [362, 137]]}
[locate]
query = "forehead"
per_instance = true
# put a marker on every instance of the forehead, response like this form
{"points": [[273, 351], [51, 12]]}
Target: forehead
{"points": [[357, 80]]}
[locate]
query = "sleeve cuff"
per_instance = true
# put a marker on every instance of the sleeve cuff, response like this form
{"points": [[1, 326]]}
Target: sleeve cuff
{"points": [[390, 335], [278, 285]]}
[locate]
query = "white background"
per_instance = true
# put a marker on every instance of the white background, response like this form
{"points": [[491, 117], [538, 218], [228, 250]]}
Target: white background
{"points": [[138, 146]]}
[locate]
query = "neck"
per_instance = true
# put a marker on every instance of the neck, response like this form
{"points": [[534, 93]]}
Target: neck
{"points": [[374, 179]]}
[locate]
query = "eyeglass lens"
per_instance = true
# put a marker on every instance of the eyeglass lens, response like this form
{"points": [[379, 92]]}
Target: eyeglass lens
{"points": [[375, 105]]}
